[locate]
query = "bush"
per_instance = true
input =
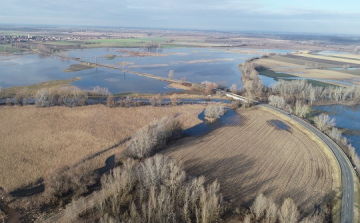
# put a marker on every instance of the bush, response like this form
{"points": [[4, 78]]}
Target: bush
{"points": [[149, 139], [67, 96], [21, 97], [110, 101], [174, 99], [66, 180], [213, 112], [8, 102], [156, 190]]}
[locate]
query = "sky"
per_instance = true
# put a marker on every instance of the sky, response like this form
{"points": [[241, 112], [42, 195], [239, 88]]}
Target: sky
{"points": [[307, 16]]}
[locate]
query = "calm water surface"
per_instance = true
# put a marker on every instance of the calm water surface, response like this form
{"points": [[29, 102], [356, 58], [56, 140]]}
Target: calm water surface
{"points": [[33, 68], [345, 117]]}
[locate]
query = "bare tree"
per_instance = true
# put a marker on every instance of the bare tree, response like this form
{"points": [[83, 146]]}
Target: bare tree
{"points": [[277, 101], [174, 99], [158, 98], [288, 212], [110, 101], [8, 102], [101, 91], [259, 206], [152, 101], [233, 88], [271, 212], [323, 122], [335, 134], [128, 101], [213, 112], [301, 109], [171, 74]]}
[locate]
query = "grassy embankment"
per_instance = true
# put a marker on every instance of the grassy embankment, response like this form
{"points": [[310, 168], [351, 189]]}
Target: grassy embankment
{"points": [[32, 89]]}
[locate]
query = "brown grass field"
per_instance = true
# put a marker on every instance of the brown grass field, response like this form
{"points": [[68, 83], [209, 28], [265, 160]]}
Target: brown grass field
{"points": [[35, 140], [262, 155]]}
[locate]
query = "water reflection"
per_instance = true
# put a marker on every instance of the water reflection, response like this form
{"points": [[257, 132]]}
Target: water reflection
{"points": [[345, 117], [231, 118]]}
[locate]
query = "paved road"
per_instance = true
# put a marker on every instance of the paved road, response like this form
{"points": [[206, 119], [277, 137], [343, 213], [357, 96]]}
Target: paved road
{"points": [[347, 205]]}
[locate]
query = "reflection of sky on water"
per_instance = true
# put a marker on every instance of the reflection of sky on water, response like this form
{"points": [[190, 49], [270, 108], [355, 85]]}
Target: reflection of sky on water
{"points": [[345, 117], [32, 68]]}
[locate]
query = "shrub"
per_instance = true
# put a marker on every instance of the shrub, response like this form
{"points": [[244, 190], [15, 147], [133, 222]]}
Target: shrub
{"points": [[71, 97], [156, 190], [152, 101], [110, 101], [8, 102], [66, 180], [158, 98], [174, 99], [213, 112], [150, 138], [21, 97]]}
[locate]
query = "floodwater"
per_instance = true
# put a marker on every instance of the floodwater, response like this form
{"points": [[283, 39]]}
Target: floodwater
{"points": [[345, 117], [230, 118], [195, 64]]}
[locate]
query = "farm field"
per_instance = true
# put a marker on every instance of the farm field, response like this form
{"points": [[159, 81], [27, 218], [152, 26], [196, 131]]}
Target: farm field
{"points": [[294, 64], [262, 153], [35, 140]]}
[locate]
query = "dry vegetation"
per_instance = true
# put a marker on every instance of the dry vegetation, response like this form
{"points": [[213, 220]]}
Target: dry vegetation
{"points": [[35, 140], [262, 155]]}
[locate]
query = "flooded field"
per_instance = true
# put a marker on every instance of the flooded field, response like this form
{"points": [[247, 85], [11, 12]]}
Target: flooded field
{"points": [[193, 64]]}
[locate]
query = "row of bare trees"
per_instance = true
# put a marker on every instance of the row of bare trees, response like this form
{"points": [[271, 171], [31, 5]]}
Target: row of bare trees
{"points": [[151, 189], [66, 96], [128, 101], [265, 210], [156, 190], [295, 90], [324, 123]]}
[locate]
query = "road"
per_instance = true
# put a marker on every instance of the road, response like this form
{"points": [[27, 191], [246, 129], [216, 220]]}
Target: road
{"points": [[347, 204]]}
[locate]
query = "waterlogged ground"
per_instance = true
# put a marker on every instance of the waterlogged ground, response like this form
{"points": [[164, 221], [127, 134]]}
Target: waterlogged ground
{"points": [[195, 64], [346, 117]]}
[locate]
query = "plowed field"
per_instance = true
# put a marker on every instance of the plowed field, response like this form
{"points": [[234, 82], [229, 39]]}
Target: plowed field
{"points": [[263, 153]]}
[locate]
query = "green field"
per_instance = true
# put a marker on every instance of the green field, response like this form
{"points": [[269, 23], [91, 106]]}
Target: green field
{"points": [[129, 42]]}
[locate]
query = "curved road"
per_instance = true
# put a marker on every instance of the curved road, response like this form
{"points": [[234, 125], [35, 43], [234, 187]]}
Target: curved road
{"points": [[347, 204]]}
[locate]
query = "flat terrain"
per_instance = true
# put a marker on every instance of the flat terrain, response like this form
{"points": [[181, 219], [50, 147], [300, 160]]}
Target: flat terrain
{"points": [[34, 140], [305, 65], [263, 153]]}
